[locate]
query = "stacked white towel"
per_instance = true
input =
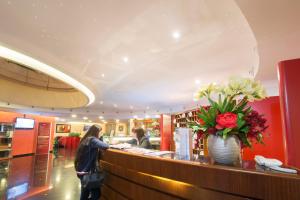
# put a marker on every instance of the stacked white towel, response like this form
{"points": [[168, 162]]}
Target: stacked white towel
{"points": [[273, 164]]}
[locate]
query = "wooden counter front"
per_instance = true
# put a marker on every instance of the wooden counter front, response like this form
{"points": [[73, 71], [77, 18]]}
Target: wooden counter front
{"points": [[131, 176]]}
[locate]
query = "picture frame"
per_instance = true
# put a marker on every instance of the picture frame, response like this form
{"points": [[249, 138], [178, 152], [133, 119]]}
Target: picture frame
{"points": [[63, 128], [121, 128]]}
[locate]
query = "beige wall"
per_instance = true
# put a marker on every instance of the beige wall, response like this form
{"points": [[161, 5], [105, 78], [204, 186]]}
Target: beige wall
{"points": [[78, 128]]}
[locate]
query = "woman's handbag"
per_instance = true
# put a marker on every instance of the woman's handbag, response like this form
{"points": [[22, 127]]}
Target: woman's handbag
{"points": [[93, 180]]}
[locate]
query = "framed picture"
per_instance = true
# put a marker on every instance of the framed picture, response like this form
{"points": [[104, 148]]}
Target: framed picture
{"points": [[63, 128], [121, 128]]}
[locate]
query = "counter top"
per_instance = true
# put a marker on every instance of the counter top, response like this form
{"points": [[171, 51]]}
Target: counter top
{"points": [[198, 177]]}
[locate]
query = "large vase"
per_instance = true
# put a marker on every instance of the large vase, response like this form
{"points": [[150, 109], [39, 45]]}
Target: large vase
{"points": [[224, 151]]}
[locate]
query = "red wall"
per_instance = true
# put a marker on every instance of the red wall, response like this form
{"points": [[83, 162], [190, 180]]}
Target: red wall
{"points": [[165, 132], [289, 83], [274, 142], [24, 141]]}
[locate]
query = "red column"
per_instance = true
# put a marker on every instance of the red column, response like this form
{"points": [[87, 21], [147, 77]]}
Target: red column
{"points": [[165, 132], [289, 88]]}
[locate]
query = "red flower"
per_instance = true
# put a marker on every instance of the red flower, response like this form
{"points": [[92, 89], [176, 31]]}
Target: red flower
{"points": [[201, 122], [226, 120]]}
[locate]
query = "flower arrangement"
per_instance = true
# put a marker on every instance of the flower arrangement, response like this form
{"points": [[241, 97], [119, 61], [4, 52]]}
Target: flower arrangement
{"points": [[228, 112]]}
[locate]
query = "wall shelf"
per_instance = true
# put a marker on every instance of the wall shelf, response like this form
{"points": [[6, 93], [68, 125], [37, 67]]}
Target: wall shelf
{"points": [[6, 134]]}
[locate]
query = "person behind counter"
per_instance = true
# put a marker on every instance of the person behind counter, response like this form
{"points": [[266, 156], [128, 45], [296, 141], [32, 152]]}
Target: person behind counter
{"points": [[140, 139], [86, 159]]}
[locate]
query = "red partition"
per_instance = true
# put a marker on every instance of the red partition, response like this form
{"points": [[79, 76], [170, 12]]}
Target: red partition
{"points": [[274, 140], [289, 82], [25, 141], [165, 132]]}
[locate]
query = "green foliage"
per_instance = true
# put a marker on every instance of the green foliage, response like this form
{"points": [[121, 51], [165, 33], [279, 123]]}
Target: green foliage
{"points": [[74, 134]]}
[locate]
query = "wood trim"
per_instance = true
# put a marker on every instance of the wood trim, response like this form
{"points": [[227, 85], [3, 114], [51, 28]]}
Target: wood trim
{"points": [[223, 180], [165, 187]]}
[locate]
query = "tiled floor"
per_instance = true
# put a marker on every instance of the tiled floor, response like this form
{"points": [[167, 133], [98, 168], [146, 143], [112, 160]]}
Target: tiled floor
{"points": [[40, 177]]}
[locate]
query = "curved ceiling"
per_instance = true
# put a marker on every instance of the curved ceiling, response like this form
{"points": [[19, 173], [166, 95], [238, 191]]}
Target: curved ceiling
{"points": [[23, 85], [140, 57], [18, 73]]}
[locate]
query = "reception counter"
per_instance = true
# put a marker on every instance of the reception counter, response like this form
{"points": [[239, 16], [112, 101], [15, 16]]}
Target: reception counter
{"points": [[134, 176]]}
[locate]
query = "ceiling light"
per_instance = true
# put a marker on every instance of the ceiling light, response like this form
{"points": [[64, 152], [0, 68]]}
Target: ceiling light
{"points": [[49, 70], [101, 102], [197, 81], [84, 118], [100, 117], [135, 116], [102, 75], [90, 121], [115, 105], [117, 120], [131, 107], [73, 115], [157, 116], [148, 107], [57, 118], [125, 59], [176, 35], [147, 116]]}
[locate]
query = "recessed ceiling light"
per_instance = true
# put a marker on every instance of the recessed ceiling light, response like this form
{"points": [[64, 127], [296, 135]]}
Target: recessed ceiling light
{"points": [[148, 107], [101, 102], [131, 107], [197, 81], [74, 115], [125, 59], [100, 117], [103, 75], [115, 105], [47, 69], [176, 35], [85, 118]]}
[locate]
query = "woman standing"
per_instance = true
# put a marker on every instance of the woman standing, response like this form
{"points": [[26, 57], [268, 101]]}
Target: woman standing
{"points": [[142, 139], [87, 157]]}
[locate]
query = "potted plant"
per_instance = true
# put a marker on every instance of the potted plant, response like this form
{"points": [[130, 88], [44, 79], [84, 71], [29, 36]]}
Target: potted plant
{"points": [[228, 122]]}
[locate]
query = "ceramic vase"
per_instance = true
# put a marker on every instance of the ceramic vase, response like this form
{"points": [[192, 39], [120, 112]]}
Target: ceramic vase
{"points": [[224, 151]]}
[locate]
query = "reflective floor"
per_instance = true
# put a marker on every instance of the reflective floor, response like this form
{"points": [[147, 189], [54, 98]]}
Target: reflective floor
{"points": [[40, 177]]}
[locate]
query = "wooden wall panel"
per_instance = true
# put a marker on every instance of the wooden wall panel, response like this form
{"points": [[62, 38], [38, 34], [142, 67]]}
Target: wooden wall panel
{"points": [[206, 178]]}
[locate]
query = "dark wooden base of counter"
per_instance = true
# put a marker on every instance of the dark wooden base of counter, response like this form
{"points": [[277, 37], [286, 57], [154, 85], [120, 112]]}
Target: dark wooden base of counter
{"points": [[137, 177]]}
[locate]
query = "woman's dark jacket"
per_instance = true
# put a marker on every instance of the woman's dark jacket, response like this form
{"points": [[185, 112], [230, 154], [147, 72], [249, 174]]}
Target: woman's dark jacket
{"points": [[89, 154], [144, 142]]}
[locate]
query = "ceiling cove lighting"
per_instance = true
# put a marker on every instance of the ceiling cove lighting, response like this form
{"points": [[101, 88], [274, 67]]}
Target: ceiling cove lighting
{"points": [[42, 67]]}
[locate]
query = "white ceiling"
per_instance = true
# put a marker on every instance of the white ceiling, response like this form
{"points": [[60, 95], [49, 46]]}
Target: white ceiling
{"points": [[87, 39]]}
